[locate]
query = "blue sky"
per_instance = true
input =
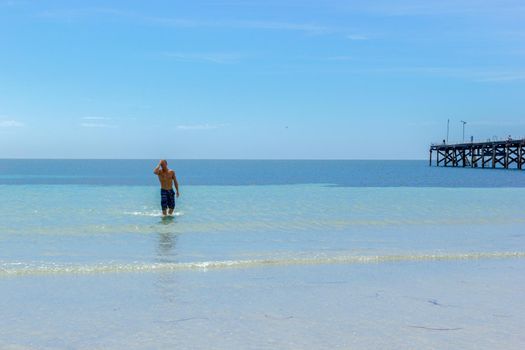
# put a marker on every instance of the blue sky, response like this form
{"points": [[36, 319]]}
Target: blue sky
{"points": [[257, 79]]}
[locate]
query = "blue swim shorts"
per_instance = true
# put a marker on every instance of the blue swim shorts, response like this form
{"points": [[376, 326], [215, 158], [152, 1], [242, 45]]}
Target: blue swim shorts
{"points": [[167, 199]]}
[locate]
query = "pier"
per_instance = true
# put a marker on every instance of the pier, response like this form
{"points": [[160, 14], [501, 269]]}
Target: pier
{"points": [[509, 154]]}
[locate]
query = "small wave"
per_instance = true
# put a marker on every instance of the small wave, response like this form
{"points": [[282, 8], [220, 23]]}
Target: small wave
{"points": [[218, 224], [151, 213], [20, 269]]}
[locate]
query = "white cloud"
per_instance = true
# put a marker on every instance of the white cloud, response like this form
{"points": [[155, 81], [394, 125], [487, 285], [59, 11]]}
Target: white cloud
{"points": [[498, 123], [9, 3], [197, 127], [502, 77], [477, 74], [220, 58], [302, 27], [357, 37], [10, 124], [97, 122], [96, 118], [238, 24], [436, 7], [339, 58], [80, 13], [423, 123], [97, 125]]}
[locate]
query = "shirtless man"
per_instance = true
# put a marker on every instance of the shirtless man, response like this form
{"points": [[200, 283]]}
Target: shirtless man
{"points": [[167, 178]]}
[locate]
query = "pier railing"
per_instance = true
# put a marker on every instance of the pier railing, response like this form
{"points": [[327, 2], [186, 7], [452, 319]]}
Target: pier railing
{"points": [[489, 154]]}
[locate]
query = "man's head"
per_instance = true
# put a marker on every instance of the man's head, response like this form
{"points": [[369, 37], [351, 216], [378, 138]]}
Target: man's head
{"points": [[164, 164]]}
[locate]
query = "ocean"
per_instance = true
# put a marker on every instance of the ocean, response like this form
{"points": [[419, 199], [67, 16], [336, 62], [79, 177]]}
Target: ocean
{"points": [[261, 255]]}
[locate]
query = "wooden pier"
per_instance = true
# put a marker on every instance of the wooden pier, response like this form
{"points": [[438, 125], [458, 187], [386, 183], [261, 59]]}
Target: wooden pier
{"points": [[509, 154]]}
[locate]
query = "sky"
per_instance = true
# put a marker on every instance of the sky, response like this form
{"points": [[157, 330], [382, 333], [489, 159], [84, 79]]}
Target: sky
{"points": [[272, 79]]}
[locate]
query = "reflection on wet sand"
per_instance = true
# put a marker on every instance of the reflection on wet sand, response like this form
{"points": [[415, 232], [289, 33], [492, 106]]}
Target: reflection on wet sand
{"points": [[166, 244], [167, 240]]}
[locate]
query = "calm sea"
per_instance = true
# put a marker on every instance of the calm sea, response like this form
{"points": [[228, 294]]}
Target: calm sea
{"points": [[351, 173], [281, 247], [90, 212]]}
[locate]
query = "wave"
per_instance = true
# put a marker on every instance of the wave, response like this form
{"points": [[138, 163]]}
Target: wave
{"points": [[21, 269], [155, 213], [216, 225]]}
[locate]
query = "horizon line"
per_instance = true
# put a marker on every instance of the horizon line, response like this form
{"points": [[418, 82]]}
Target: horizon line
{"points": [[239, 159]]}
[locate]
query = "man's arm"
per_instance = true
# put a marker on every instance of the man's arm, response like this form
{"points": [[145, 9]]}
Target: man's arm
{"points": [[176, 183], [156, 171]]}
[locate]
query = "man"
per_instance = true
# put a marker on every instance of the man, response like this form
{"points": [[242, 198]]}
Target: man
{"points": [[167, 178]]}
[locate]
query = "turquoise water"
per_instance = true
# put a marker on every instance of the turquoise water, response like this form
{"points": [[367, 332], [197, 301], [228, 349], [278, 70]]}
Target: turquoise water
{"points": [[114, 227], [268, 265]]}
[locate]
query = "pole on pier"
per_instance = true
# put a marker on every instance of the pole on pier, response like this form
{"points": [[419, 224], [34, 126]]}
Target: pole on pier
{"points": [[430, 158], [448, 128]]}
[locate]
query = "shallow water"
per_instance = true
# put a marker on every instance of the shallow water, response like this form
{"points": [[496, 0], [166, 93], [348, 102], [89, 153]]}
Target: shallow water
{"points": [[272, 264]]}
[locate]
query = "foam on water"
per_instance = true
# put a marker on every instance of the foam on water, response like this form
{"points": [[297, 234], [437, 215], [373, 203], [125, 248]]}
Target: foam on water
{"points": [[153, 213], [19, 269], [229, 225]]}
